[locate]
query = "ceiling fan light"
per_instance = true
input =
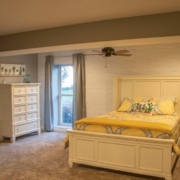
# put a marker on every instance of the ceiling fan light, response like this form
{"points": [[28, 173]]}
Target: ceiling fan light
{"points": [[108, 54], [107, 50]]}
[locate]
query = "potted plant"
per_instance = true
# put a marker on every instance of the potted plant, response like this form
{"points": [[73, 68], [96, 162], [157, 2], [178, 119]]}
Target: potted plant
{"points": [[20, 70], [2, 68], [23, 69], [14, 69]]}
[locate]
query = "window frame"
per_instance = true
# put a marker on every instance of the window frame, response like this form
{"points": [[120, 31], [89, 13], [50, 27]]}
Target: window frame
{"points": [[60, 97]]}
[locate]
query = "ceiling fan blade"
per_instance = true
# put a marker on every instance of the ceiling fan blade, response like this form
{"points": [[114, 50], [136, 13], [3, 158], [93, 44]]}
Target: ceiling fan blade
{"points": [[124, 54], [97, 51], [121, 51]]}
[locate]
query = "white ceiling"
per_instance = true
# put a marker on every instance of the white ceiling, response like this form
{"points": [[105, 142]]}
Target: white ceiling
{"points": [[27, 15]]}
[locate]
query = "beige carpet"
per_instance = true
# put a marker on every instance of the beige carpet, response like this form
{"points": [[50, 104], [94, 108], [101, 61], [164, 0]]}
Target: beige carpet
{"points": [[43, 157]]}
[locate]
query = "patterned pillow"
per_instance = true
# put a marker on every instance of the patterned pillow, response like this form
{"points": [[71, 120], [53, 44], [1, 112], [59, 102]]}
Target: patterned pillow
{"points": [[127, 103], [164, 106], [143, 107]]}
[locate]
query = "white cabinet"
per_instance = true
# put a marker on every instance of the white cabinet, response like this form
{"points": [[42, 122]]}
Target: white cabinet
{"points": [[19, 109]]}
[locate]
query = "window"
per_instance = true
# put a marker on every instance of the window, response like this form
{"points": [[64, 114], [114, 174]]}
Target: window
{"points": [[65, 94]]}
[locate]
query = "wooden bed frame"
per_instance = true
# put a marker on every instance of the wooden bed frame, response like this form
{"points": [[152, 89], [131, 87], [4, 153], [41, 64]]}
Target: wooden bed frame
{"points": [[148, 156]]}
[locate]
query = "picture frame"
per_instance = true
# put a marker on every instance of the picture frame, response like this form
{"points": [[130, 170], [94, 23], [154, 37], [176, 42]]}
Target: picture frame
{"points": [[17, 70]]}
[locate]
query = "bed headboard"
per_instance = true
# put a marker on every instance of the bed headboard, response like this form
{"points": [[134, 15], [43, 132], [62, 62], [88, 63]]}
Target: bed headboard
{"points": [[147, 87]]}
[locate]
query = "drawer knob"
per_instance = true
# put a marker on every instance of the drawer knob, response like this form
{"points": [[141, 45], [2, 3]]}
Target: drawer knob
{"points": [[31, 107], [19, 90], [31, 98], [17, 129], [19, 109], [19, 118], [32, 90], [31, 115], [19, 99]]}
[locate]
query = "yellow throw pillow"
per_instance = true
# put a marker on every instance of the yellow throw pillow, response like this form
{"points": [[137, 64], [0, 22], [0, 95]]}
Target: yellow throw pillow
{"points": [[126, 105], [164, 106]]}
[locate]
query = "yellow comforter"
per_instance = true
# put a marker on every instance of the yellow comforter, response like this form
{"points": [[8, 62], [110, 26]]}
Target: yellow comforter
{"points": [[141, 125]]}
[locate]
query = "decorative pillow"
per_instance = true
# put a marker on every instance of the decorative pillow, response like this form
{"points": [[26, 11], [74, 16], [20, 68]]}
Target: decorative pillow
{"points": [[143, 107], [127, 103], [164, 106]]}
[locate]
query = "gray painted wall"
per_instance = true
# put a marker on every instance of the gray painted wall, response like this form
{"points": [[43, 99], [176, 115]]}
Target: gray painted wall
{"points": [[159, 25], [31, 62]]}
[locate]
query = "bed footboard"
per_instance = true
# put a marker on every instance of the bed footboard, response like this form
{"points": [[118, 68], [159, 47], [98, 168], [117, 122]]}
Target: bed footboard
{"points": [[131, 154]]}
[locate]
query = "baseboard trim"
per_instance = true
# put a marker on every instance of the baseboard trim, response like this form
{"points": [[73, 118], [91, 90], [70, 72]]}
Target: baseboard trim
{"points": [[59, 129]]}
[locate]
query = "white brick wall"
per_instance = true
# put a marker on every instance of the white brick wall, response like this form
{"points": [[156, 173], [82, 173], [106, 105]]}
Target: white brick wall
{"points": [[146, 60]]}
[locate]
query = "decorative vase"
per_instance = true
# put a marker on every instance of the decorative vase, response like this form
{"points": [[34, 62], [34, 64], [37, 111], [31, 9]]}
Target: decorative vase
{"points": [[28, 78]]}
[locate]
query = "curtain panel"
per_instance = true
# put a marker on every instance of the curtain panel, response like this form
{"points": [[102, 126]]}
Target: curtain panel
{"points": [[48, 107], [79, 90]]}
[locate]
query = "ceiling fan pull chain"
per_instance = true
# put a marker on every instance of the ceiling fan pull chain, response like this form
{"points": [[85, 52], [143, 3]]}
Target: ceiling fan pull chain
{"points": [[105, 62]]}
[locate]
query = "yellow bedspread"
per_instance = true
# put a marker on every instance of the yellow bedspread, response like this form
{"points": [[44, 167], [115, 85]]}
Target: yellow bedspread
{"points": [[141, 125]]}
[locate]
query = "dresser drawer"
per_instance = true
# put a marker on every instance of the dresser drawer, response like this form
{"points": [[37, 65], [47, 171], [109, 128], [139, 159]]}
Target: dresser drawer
{"points": [[19, 109], [19, 90], [31, 89], [31, 107], [23, 128], [19, 100], [20, 118], [32, 98], [31, 116]]}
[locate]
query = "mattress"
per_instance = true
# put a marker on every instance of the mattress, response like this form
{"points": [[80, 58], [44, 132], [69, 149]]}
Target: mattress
{"points": [[132, 124]]}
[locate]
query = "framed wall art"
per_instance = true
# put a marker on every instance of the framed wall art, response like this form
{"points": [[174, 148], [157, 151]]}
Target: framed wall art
{"points": [[12, 70]]}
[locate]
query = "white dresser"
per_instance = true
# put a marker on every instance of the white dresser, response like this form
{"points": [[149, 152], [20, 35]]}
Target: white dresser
{"points": [[19, 109]]}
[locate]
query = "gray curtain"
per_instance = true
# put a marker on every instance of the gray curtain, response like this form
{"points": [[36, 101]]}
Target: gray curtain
{"points": [[48, 109], [79, 100]]}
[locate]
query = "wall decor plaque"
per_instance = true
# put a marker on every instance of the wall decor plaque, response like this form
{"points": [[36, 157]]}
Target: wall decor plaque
{"points": [[12, 70]]}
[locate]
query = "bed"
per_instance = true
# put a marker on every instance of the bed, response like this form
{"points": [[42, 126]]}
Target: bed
{"points": [[137, 154]]}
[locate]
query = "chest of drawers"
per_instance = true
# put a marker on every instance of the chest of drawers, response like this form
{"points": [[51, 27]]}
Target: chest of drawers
{"points": [[19, 109]]}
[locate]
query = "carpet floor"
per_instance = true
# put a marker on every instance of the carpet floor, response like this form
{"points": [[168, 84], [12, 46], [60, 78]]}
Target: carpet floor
{"points": [[43, 157]]}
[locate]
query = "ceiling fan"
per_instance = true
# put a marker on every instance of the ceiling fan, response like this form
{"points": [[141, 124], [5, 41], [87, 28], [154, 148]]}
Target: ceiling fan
{"points": [[109, 51]]}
